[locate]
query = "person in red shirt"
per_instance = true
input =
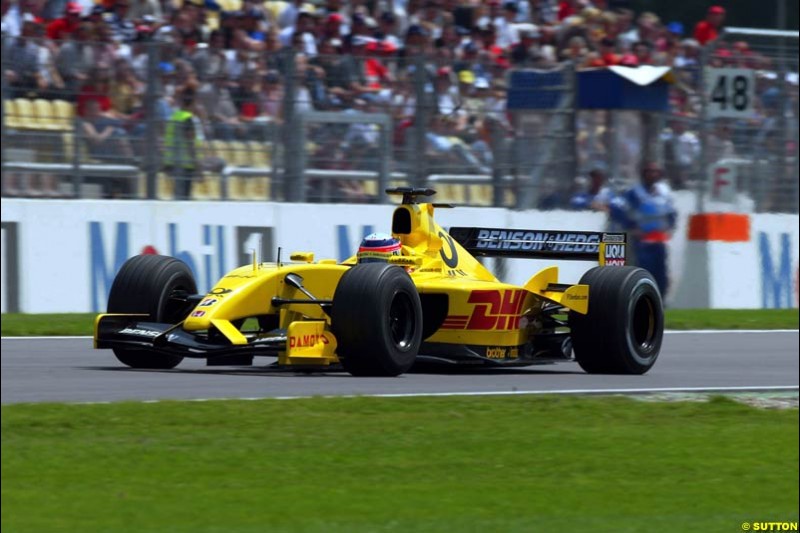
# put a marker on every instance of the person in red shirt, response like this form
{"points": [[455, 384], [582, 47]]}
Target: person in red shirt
{"points": [[61, 28], [608, 52], [708, 30], [98, 90], [567, 8]]}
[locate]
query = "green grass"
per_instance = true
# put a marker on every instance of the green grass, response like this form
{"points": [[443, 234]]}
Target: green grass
{"points": [[21, 324], [732, 318], [16, 324], [407, 465]]}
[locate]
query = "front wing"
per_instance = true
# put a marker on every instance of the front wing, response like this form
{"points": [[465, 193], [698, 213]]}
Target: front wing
{"points": [[306, 342]]}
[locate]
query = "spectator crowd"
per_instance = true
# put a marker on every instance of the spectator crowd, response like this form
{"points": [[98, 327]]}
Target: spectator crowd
{"points": [[233, 64]]}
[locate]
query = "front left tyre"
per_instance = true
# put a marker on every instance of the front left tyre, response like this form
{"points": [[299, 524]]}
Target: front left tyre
{"points": [[149, 284]]}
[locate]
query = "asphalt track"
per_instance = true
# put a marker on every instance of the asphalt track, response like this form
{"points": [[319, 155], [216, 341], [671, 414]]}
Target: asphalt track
{"points": [[69, 370]]}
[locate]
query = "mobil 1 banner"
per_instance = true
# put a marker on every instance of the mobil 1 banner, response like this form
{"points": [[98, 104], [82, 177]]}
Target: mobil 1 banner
{"points": [[251, 239], [730, 92]]}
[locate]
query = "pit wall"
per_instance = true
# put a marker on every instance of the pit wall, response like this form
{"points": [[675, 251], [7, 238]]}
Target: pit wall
{"points": [[61, 256]]}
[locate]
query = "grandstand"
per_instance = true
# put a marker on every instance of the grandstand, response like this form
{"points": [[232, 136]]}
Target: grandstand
{"points": [[436, 70]]}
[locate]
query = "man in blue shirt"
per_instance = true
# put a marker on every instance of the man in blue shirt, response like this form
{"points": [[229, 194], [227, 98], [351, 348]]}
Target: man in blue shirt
{"points": [[649, 217]]}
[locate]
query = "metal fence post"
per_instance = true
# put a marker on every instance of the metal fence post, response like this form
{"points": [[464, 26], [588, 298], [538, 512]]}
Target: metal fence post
{"points": [[499, 156], [3, 95], [152, 132], [702, 181], [385, 162], [422, 115], [650, 141], [77, 139], [551, 152], [573, 119], [612, 149], [784, 174], [293, 174]]}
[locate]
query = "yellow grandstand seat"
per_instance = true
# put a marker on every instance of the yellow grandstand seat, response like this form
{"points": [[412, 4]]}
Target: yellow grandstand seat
{"points": [[165, 188], [442, 192], [10, 113], [237, 188], [64, 114], [44, 114], [480, 195], [67, 141], [260, 154], [199, 190], [258, 188], [220, 149], [240, 154], [370, 187], [214, 186], [206, 188], [23, 108], [456, 193]]}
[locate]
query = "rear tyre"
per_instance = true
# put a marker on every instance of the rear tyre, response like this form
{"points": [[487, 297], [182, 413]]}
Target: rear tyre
{"points": [[624, 328], [377, 320], [145, 284]]}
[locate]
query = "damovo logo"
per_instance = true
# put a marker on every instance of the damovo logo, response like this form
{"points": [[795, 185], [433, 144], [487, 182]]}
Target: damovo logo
{"points": [[306, 341]]}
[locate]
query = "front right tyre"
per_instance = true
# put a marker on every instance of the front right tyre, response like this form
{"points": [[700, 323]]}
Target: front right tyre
{"points": [[377, 319]]}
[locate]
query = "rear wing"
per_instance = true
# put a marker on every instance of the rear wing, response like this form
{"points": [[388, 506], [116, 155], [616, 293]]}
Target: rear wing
{"points": [[605, 248]]}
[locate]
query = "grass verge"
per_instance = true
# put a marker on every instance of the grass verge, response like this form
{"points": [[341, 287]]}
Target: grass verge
{"points": [[732, 318], [15, 324], [418, 464]]}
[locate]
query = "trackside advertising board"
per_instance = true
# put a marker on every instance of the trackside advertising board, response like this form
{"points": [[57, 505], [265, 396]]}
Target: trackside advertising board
{"points": [[65, 254], [62, 256]]}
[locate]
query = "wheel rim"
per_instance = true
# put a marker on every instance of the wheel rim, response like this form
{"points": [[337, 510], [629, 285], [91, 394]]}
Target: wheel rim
{"points": [[175, 310], [644, 323], [401, 321]]}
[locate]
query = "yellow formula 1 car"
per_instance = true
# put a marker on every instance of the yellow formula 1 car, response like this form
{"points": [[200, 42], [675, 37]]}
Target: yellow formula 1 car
{"points": [[433, 301]]}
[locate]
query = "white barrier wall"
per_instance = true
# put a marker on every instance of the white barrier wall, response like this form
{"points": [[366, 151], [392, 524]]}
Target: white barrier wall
{"points": [[66, 253], [61, 256], [738, 261]]}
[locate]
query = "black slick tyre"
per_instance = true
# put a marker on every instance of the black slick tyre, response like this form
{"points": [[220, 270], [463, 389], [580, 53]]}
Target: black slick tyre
{"points": [[377, 320], [624, 328], [145, 284]]}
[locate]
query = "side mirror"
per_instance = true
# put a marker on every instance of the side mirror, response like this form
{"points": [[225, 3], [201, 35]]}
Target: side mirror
{"points": [[302, 257], [294, 280]]}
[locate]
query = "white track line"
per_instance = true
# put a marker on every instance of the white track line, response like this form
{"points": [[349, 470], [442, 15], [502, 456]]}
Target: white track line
{"points": [[49, 337], [667, 332], [707, 331], [563, 392]]}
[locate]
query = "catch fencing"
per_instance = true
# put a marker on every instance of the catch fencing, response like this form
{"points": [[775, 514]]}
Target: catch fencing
{"points": [[282, 126]]}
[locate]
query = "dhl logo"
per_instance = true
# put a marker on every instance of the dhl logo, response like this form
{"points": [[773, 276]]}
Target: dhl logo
{"points": [[305, 341], [494, 310]]}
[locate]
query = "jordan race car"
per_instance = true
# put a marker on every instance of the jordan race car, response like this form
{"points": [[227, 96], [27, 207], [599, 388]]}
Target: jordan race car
{"points": [[433, 303]]}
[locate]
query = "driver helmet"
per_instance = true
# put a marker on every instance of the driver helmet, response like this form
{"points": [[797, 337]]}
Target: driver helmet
{"points": [[377, 248]]}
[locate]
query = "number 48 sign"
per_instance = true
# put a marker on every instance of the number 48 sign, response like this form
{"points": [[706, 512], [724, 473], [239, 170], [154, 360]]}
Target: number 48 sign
{"points": [[730, 92]]}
